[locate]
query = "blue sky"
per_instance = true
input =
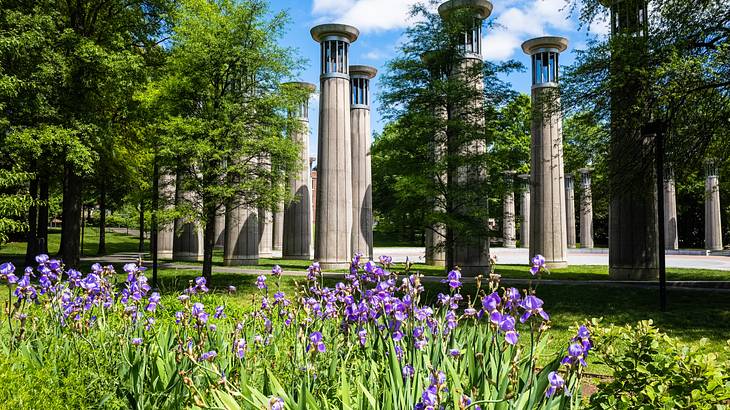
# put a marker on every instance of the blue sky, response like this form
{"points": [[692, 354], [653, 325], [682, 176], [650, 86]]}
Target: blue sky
{"points": [[382, 22]]}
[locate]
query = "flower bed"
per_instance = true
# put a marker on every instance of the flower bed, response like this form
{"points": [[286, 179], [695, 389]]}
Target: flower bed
{"points": [[368, 342]]}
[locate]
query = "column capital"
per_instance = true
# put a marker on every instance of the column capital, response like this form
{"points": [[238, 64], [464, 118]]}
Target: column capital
{"points": [[482, 8], [332, 31]]}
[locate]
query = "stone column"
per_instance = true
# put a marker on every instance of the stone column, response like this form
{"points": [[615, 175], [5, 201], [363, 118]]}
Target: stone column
{"points": [[278, 229], [188, 242], [671, 238], [241, 245], [509, 234], [525, 211], [713, 226], [362, 195], [570, 210], [548, 235], [220, 230], [435, 234], [470, 253], [166, 231], [266, 231], [297, 240], [332, 242], [586, 209]]}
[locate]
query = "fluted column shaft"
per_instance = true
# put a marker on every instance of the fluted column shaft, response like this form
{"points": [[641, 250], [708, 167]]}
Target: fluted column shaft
{"points": [[713, 225], [586, 211], [525, 212], [671, 239], [166, 231], [508, 213], [570, 210], [188, 242]]}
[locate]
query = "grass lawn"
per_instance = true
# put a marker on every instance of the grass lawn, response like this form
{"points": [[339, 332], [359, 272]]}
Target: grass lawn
{"points": [[115, 243]]}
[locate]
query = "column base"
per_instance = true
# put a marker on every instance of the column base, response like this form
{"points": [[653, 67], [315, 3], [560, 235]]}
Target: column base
{"points": [[511, 246], [277, 248], [334, 265], [164, 255], [240, 262], [267, 255], [187, 257], [619, 273], [571, 246], [436, 262], [555, 264], [297, 257]]}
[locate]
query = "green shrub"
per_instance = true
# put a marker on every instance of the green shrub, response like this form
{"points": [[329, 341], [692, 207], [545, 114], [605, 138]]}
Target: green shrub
{"points": [[654, 371]]}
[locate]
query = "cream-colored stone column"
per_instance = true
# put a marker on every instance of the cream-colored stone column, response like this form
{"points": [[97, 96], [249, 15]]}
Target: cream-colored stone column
{"points": [[525, 211], [297, 240], [188, 242], [362, 195], [166, 231], [241, 245], [671, 238], [332, 241], [713, 225], [509, 232], [471, 254], [586, 209], [570, 210], [548, 235]]}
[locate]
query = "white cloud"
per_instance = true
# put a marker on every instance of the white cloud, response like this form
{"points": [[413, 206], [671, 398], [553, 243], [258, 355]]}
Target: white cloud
{"points": [[366, 15], [522, 21]]}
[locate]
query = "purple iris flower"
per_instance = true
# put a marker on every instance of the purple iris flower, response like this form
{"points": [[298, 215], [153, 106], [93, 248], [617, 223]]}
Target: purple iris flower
{"points": [[313, 270], [219, 312], [454, 352], [362, 334], [512, 298], [261, 282], [453, 279], [200, 285], [533, 306], [429, 399], [276, 403], [7, 272], [538, 263], [576, 354], [154, 300], [507, 325], [231, 289], [276, 271], [208, 356], [466, 403], [239, 348], [136, 341], [24, 289], [408, 371], [556, 383], [491, 302], [386, 260], [315, 339], [41, 259]]}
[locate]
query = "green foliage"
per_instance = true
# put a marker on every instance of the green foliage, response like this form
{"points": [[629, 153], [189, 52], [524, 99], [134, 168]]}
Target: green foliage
{"points": [[652, 370], [14, 201]]}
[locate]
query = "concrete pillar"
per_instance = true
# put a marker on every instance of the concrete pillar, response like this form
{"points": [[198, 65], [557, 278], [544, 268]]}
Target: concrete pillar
{"points": [[278, 228], [362, 195], [633, 228], [220, 229], [332, 243], [713, 226], [548, 235], [671, 237], [265, 219], [570, 210], [435, 234], [297, 239], [509, 234], [188, 242], [241, 245], [166, 231], [525, 211], [471, 253], [586, 209]]}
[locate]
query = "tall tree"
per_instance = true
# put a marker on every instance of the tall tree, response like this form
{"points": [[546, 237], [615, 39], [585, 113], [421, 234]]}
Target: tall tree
{"points": [[441, 115], [227, 111]]}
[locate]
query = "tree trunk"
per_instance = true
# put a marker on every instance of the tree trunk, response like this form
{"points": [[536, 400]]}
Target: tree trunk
{"points": [[42, 227], [31, 249], [208, 238], [83, 228], [141, 226], [71, 225], [102, 219]]}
